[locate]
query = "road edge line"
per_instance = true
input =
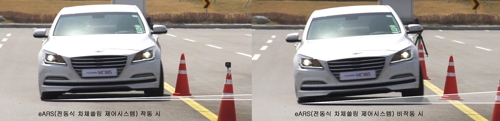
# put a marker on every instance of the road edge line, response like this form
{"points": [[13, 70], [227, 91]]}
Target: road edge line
{"points": [[462, 107], [195, 105]]}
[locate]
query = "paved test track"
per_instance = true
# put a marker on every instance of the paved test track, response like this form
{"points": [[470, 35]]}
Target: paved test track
{"points": [[476, 55], [206, 51]]}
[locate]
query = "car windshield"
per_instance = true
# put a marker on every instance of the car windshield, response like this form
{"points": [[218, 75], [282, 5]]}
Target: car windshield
{"points": [[352, 25], [99, 23]]}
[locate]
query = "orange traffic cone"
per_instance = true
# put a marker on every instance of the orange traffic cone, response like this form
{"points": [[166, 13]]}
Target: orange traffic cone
{"points": [[450, 87], [422, 61], [496, 109], [182, 85], [227, 109]]}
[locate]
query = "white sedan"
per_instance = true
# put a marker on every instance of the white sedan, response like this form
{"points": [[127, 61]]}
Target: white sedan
{"points": [[355, 50], [99, 48]]}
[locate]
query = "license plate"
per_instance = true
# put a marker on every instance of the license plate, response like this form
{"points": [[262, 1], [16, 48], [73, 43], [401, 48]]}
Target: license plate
{"points": [[357, 75], [99, 72]]}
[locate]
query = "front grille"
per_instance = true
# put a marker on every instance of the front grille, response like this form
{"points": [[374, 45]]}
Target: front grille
{"points": [[97, 62], [98, 83], [356, 64], [361, 86]]}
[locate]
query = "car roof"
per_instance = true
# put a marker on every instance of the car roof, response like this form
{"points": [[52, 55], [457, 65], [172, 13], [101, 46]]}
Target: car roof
{"points": [[351, 10], [99, 8]]}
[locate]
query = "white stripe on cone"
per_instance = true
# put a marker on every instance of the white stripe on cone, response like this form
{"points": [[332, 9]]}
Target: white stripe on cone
{"points": [[183, 62], [450, 74], [227, 95], [229, 81], [421, 59], [451, 64], [498, 98], [182, 72], [420, 51]]}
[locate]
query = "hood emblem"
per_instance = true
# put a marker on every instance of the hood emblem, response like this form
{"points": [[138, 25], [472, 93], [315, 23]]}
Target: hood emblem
{"points": [[98, 51], [355, 53]]}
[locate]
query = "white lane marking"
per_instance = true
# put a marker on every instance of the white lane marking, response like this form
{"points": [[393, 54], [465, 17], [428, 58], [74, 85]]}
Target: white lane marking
{"points": [[405, 100], [217, 29], [263, 48], [8, 35], [34, 28], [458, 41], [440, 30], [274, 36], [171, 35], [255, 57], [440, 37], [244, 54], [1, 45], [248, 34], [269, 41], [253, 29], [482, 48], [4, 39], [487, 30], [301, 30], [189, 40], [213, 46]]}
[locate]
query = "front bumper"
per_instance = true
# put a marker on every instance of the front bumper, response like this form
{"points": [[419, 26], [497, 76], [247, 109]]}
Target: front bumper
{"points": [[134, 76], [321, 82]]}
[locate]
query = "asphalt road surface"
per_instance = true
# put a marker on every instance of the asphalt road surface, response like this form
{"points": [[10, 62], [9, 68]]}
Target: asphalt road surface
{"points": [[206, 51], [476, 55]]}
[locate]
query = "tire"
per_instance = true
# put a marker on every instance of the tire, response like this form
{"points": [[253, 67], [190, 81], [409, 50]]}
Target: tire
{"points": [[49, 95], [306, 100], [415, 92], [157, 91]]}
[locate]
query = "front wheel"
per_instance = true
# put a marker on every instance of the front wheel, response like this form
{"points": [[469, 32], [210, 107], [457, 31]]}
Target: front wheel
{"points": [[418, 91], [157, 91]]}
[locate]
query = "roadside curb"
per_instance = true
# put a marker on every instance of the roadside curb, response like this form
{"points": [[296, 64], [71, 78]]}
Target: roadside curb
{"points": [[187, 26], [457, 27]]}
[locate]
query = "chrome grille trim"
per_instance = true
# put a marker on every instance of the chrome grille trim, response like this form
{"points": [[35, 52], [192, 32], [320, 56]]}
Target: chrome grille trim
{"points": [[356, 64], [94, 62]]}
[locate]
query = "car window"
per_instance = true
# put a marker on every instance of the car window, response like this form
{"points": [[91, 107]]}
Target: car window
{"points": [[352, 25], [99, 23]]}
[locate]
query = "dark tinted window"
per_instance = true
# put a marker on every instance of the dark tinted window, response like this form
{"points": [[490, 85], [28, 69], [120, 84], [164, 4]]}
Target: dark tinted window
{"points": [[99, 23], [353, 25]]}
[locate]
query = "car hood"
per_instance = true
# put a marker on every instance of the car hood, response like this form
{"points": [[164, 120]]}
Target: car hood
{"points": [[72, 46], [370, 45]]}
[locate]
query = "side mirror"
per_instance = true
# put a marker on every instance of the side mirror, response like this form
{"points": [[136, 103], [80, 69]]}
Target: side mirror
{"points": [[159, 29], [292, 37], [40, 33], [415, 28]]}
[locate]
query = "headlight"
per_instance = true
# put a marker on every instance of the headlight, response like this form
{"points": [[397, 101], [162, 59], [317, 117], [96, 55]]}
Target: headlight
{"points": [[308, 62], [145, 55], [403, 55], [51, 58]]}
